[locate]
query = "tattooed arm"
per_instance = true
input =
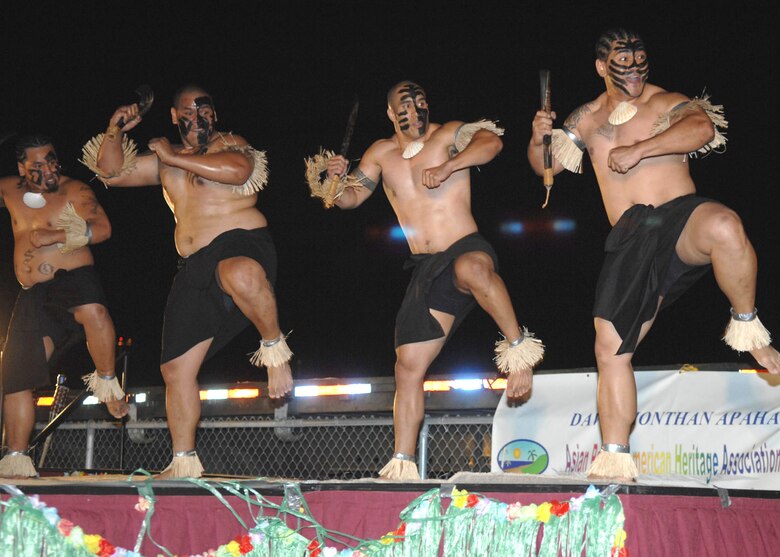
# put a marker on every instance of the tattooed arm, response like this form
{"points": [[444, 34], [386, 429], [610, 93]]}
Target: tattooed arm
{"points": [[87, 207], [543, 125], [368, 173], [90, 210]]}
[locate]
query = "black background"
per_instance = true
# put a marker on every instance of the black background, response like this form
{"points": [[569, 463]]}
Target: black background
{"points": [[283, 75]]}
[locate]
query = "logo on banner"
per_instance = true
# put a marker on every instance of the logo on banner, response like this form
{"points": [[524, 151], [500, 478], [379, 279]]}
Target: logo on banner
{"points": [[523, 456]]}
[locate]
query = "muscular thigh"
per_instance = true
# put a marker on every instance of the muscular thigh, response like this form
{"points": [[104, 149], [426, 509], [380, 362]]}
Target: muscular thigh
{"points": [[238, 275], [701, 232]]}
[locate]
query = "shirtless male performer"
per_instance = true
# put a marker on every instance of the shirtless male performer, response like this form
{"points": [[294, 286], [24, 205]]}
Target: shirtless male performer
{"points": [[228, 266], [664, 237], [54, 220], [425, 170]]}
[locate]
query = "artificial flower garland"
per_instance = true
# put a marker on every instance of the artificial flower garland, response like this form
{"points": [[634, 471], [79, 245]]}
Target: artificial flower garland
{"points": [[472, 525]]}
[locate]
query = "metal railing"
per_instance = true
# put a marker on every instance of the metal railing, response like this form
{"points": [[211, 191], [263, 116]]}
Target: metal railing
{"points": [[317, 447]]}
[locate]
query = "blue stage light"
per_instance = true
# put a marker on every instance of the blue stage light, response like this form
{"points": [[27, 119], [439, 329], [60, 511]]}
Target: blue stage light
{"points": [[512, 228], [564, 225], [397, 234]]}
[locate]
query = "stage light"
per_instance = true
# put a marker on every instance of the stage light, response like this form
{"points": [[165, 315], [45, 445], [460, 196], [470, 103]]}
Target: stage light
{"points": [[45, 401], [512, 228], [330, 390], [397, 234], [455, 384], [90, 400], [497, 384], [214, 394], [243, 393], [753, 371], [139, 397], [564, 225]]}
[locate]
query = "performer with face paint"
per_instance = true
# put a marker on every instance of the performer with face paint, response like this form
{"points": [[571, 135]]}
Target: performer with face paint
{"points": [[54, 220], [228, 267], [664, 236], [425, 172]]}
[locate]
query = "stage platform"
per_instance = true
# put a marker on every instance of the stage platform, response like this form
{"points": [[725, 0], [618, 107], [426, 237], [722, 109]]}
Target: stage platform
{"points": [[681, 517]]}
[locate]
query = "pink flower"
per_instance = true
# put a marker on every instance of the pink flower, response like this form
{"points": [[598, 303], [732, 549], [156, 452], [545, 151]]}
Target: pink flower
{"points": [[65, 526]]}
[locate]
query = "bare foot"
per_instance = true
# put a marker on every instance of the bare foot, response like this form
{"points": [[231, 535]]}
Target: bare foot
{"points": [[117, 408], [518, 383], [166, 474], [280, 382], [769, 358]]}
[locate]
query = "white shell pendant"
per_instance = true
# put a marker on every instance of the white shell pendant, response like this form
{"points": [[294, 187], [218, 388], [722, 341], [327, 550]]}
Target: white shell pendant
{"points": [[34, 200], [412, 149], [622, 113]]}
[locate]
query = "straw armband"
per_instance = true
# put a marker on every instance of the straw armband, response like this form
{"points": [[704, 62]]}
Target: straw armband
{"points": [[259, 177], [78, 232], [713, 111], [465, 132], [89, 155], [567, 149]]}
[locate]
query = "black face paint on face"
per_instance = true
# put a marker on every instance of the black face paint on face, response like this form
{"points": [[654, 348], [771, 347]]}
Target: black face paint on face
{"points": [[202, 123], [413, 95], [628, 61], [44, 173]]}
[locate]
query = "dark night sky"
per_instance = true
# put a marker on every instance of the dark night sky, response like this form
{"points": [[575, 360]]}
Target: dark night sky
{"points": [[283, 75]]}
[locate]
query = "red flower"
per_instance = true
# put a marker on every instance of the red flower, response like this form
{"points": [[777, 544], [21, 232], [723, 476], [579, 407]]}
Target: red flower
{"points": [[471, 500], [314, 548], [621, 552], [105, 549], [559, 509], [244, 544], [400, 532]]}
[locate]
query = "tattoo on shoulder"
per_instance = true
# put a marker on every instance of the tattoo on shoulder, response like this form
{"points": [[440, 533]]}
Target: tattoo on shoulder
{"points": [[89, 200], [365, 180], [575, 117]]}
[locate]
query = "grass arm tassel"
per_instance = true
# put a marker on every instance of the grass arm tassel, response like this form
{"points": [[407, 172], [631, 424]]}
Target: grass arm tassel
{"points": [[259, 177], [567, 150], [77, 230], [466, 132], [89, 154], [713, 111]]}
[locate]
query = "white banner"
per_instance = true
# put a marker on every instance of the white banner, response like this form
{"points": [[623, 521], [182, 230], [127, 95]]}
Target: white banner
{"points": [[712, 427]]}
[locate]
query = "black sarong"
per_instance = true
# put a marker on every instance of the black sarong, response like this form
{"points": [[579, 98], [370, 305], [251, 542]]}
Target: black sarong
{"points": [[414, 322], [639, 251], [197, 308], [44, 310]]}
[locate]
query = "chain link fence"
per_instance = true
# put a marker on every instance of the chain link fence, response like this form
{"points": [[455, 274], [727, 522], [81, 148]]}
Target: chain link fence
{"points": [[339, 447]]}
